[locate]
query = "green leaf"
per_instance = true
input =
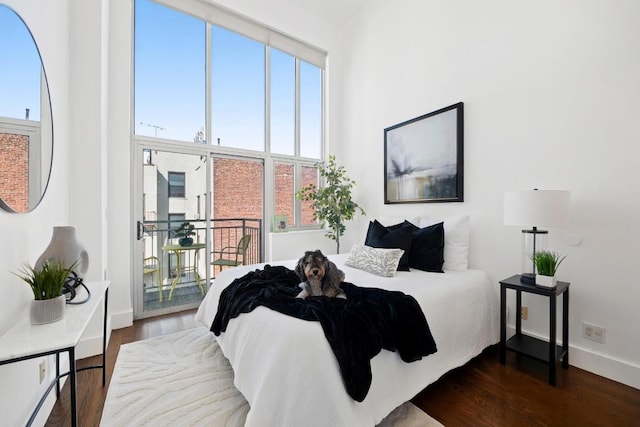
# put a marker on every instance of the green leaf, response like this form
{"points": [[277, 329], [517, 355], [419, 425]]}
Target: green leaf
{"points": [[332, 202]]}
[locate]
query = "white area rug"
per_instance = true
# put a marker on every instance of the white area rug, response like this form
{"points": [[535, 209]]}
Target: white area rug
{"points": [[183, 379]]}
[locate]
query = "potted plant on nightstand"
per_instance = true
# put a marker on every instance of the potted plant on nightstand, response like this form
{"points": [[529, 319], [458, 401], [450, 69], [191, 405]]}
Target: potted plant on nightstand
{"points": [[547, 263], [184, 232], [46, 284]]}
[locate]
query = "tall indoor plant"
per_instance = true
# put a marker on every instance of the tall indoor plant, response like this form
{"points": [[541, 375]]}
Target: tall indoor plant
{"points": [[332, 200]]}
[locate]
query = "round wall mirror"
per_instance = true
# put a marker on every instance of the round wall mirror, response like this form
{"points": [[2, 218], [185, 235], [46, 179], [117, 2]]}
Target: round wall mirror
{"points": [[26, 127]]}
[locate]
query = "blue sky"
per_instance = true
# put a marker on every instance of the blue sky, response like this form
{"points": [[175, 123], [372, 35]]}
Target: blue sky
{"points": [[170, 84], [19, 68]]}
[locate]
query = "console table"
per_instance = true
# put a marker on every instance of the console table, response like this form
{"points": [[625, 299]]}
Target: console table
{"points": [[25, 341]]}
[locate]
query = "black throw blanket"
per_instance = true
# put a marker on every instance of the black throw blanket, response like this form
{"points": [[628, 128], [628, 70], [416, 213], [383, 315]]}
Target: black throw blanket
{"points": [[357, 328]]}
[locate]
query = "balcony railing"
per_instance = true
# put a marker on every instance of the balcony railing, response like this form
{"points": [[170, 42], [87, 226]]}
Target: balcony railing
{"points": [[170, 267]]}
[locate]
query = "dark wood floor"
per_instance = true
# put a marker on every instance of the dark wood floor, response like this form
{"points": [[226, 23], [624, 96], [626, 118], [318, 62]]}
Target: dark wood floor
{"points": [[481, 393]]}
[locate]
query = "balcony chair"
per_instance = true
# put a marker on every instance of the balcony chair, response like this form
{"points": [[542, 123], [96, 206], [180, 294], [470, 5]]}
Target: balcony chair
{"points": [[151, 265], [231, 256]]}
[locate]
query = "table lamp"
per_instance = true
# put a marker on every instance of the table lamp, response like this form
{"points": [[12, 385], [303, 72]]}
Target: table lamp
{"points": [[534, 208]]}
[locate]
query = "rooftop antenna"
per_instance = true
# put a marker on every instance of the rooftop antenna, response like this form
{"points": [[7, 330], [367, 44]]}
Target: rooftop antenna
{"points": [[155, 128]]}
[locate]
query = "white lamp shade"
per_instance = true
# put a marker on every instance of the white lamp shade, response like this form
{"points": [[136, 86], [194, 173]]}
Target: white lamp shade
{"points": [[537, 208]]}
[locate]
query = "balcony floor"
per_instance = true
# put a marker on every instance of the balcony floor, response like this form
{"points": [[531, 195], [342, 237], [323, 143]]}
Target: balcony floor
{"points": [[187, 293]]}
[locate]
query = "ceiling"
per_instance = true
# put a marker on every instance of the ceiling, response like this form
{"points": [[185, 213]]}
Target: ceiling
{"points": [[335, 12]]}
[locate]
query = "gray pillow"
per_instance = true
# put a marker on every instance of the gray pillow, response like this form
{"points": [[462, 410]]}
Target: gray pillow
{"points": [[379, 261]]}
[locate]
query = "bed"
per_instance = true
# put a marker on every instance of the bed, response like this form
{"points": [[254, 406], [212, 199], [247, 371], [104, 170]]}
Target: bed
{"points": [[288, 373]]}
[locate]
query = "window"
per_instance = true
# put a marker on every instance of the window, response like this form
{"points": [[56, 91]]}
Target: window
{"points": [[232, 87], [237, 89], [283, 187], [310, 110], [169, 72], [176, 184], [309, 176], [175, 221], [283, 102]]}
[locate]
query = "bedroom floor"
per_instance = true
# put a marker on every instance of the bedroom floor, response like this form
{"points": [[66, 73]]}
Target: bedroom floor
{"points": [[481, 393]]}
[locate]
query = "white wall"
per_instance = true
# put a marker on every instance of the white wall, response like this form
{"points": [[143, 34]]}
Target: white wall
{"points": [[25, 236], [73, 41], [552, 96]]}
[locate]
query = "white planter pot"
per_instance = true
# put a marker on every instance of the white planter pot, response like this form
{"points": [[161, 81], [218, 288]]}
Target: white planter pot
{"points": [[546, 281], [47, 310]]}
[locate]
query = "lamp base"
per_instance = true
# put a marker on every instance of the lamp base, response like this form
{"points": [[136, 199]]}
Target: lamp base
{"points": [[528, 278]]}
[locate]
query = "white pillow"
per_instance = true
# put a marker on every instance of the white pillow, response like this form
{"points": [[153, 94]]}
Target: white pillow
{"points": [[383, 262], [456, 241]]}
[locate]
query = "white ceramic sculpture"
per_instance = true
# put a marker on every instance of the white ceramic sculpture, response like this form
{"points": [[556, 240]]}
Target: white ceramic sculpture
{"points": [[64, 246]]}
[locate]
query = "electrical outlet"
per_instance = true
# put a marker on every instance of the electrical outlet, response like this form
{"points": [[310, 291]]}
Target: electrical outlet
{"points": [[524, 313], [593, 333], [43, 370]]}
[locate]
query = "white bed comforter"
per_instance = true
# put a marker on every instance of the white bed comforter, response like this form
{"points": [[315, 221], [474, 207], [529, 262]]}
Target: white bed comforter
{"points": [[288, 373]]}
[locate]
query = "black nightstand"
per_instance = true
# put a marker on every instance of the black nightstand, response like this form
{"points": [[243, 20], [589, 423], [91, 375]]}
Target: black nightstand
{"points": [[546, 351]]}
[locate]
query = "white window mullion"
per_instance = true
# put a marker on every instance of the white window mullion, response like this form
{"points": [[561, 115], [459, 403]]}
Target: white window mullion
{"points": [[208, 87], [296, 151], [267, 99], [208, 132]]}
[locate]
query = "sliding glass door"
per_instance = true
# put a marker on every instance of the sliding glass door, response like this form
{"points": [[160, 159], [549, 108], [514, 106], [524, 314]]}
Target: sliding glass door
{"points": [[172, 232], [198, 214]]}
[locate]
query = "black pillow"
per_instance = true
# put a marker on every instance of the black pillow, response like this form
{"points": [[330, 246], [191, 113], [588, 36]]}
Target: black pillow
{"points": [[427, 248], [397, 236]]}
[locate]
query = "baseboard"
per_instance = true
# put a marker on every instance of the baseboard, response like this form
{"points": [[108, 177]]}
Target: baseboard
{"points": [[124, 319], [606, 366], [92, 346]]}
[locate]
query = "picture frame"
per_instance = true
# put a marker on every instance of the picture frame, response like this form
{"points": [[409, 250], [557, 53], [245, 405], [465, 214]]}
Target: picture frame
{"points": [[423, 158], [279, 224]]}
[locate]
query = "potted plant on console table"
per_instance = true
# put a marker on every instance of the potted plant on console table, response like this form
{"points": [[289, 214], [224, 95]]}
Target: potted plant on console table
{"points": [[46, 284], [547, 263]]}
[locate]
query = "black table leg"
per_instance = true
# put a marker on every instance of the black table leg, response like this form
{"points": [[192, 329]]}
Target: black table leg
{"points": [[552, 340], [565, 329], [518, 312], [72, 385], [104, 338], [503, 324]]}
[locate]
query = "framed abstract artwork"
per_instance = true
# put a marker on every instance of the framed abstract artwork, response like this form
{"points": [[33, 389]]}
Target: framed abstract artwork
{"points": [[423, 158]]}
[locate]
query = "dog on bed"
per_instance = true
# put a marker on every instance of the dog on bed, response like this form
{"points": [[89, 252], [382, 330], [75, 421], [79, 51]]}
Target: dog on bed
{"points": [[319, 276]]}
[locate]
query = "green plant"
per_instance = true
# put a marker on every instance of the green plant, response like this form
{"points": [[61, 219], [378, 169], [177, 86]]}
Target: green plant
{"points": [[186, 229], [547, 262], [332, 202], [46, 283]]}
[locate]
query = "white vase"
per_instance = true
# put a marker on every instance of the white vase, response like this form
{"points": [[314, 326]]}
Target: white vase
{"points": [[64, 246], [47, 310], [546, 281]]}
